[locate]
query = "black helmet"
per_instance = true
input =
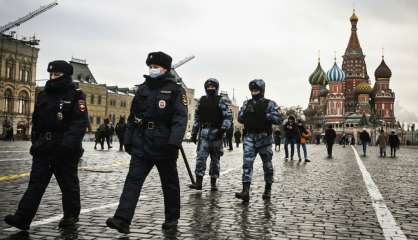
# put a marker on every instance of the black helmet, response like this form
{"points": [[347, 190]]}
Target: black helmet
{"points": [[257, 84], [213, 82]]}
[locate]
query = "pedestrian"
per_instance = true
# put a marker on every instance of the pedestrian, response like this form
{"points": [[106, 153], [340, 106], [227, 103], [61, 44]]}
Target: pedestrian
{"points": [[394, 143], [156, 126], [105, 132], [318, 139], [213, 118], [120, 131], [343, 140], [365, 140], [277, 139], [329, 139], [382, 140], [237, 136], [257, 114], [111, 132], [98, 138], [229, 135], [59, 122], [305, 135], [292, 135]]}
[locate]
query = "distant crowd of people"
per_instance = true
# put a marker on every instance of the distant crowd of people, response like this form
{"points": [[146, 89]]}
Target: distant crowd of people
{"points": [[106, 131]]}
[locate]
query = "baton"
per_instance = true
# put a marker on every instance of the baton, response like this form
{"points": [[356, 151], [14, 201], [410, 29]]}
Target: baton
{"points": [[187, 165]]}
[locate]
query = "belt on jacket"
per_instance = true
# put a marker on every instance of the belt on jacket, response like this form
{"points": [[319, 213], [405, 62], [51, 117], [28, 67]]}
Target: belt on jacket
{"points": [[49, 136]]}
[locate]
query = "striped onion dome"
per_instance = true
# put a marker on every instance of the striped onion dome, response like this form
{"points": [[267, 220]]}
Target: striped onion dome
{"points": [[363, 88], [318, 77], [335, 74]]}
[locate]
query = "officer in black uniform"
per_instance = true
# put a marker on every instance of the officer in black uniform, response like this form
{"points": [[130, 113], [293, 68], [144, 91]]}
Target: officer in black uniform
{"points": [[155, 130], [59, 123]]}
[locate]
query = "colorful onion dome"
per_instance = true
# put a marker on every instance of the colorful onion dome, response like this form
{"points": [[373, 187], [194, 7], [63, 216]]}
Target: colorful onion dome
{"points": [[318, 77], [383, 71], [335, 74], [363, 88], [323, 92]]}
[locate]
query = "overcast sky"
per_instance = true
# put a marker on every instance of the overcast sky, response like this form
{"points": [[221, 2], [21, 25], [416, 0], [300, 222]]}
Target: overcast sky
{"points": [[234, 41]]}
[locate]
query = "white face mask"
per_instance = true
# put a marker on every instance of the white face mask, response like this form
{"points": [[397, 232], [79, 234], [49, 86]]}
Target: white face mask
{"points": [[154, 72]]}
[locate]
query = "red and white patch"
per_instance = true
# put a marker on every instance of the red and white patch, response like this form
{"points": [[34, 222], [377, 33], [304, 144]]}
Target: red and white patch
{"points": [[82, 105], [162, 104]]}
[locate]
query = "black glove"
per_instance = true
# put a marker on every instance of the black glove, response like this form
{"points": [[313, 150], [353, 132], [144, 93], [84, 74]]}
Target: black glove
{"points": [[171, 149], [194, 138], [220, 133], [128, 148]]}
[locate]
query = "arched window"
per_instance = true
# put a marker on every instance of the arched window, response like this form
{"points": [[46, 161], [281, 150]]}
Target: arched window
{"points": [[8, 101], [25, 74], [9, 69], [23, 103]]}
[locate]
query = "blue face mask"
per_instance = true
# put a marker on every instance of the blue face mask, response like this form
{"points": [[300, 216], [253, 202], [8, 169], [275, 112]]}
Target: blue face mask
{"points": [[154, 72]]}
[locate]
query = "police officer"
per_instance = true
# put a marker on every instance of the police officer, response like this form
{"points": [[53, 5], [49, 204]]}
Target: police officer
{"points": [[59, 123], [212, 119], [155, 130], [257, 114]]}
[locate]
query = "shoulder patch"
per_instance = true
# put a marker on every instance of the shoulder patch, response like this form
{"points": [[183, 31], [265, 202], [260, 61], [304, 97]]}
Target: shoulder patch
{"points": [[82, 105]]}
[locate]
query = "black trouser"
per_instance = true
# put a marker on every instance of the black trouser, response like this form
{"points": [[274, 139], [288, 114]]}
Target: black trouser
{"points": [[138, 171], [237, 144], [120, 143], [107, 138], [393, 151], [230, 143], [65, 172], [329, 149]]}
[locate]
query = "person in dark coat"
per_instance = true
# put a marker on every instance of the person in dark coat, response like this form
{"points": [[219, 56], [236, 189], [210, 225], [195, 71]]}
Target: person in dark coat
{"points": [[365, 140], [229, 135], [156, 126], [292, 135], [98, 138], [277, 139], [329, 139], [107, 132], [120, 131], [394, 143], [237, 136], [59, 123], [111, 132]]}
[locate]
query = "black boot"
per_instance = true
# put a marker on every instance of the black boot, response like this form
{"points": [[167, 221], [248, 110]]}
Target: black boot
{"points": [[267, 192], [16, 222], [213, 186], [170, 225], [118, 224], [67, 222], [245, 194], [198, 184]]}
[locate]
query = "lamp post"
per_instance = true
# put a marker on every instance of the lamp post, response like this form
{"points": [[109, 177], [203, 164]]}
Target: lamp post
{"points": [[413, 132]]}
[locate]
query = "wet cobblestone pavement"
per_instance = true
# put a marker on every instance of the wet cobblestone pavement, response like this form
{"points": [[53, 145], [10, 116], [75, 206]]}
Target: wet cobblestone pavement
{"points": [[323, 199]]}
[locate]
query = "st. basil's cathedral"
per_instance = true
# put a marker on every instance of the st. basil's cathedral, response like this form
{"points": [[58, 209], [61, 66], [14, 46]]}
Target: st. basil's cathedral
{"points": [[344, 97]]}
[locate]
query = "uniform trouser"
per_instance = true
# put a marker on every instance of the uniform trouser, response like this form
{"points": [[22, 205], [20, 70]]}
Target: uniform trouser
{"points": [[329, 148], [206, 148], [250, 153], [292, 143], [139, 169], [65, 172], [305, 151]]}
